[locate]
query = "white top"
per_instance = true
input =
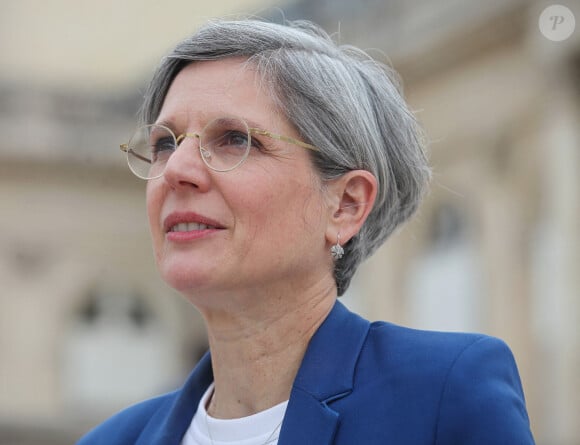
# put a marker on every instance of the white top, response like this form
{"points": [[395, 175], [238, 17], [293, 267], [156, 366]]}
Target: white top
{"points": [[258, 429]]}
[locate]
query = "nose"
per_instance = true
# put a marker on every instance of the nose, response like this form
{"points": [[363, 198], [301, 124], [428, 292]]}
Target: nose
{"points": [[185, 168]]}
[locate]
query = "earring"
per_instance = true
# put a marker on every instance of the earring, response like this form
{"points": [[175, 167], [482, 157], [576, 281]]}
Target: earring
{"points": [[337, 251]]}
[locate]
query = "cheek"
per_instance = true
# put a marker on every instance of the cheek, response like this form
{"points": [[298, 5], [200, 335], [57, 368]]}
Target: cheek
{"points": [[257, 213], [284, 212]]}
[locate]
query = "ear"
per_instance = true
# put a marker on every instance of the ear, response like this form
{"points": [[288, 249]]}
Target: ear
{"points": [[351, 199]]}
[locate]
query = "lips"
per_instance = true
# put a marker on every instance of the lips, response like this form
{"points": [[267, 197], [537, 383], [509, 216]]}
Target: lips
{"points": [[189, 222]]}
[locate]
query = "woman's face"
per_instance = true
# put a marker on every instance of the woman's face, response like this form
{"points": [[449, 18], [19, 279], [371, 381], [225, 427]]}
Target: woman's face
{"points": [[257, 229]]}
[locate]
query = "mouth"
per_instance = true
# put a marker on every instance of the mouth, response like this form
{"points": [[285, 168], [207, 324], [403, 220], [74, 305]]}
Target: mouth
{"points": [[190, 227], [184, 222]]}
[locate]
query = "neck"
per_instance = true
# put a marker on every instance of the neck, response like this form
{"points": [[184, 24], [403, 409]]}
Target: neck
{"points": [[256, 353]]}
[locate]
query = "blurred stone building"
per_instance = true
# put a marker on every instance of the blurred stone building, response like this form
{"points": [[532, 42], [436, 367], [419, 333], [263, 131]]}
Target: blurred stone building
{"points": [[86, 325]]}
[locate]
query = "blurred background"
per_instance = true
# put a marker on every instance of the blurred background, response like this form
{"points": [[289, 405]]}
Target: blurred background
{"points": [[87, 326]]}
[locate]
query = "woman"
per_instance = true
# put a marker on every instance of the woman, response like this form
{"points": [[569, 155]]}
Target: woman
{"points": [[276, 162]]}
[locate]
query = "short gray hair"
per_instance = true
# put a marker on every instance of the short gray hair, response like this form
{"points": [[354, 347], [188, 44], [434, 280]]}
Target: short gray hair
{"points": [[339, 99]]}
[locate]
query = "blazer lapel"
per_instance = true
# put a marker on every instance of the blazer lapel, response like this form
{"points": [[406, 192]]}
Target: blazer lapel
{"points": [[325, 375], [170, 423], [307, 421]]}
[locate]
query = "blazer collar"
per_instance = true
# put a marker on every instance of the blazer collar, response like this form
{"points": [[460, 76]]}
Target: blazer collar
{"points": [[328, 367], [326, 374]]}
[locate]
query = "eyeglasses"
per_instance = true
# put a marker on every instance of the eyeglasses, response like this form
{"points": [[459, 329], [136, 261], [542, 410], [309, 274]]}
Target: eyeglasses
{"points": [[224, 144]]}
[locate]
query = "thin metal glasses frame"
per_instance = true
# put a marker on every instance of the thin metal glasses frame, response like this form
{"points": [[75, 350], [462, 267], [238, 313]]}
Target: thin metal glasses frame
{"points": [[204, 153]]}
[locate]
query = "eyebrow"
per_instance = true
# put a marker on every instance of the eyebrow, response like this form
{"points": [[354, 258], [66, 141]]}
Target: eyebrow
{"points": [[165, 123], [254, 126], [251, 124]]}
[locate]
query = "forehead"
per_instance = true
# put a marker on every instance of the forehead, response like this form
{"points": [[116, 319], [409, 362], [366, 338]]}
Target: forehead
{"points": [[229, 87]]}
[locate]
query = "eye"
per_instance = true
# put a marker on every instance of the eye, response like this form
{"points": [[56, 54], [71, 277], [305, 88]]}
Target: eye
{"points": [[226, 135], [234, 138], [161, 147]]}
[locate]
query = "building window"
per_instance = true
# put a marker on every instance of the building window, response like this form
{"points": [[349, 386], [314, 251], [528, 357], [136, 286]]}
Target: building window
{"points": [[445, 280], [116, 352]]}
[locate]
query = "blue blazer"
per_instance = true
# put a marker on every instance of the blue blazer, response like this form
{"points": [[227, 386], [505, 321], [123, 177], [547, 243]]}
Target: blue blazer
{"points": [[366, 383]]}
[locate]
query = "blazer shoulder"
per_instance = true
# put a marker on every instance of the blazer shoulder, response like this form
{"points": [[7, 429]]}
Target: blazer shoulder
{"points": [[441, 356], [482, 400], [430, 349], [126, 426], [467, 384]]}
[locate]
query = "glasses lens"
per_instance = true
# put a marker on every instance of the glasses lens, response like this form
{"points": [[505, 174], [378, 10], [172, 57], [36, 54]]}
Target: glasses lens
{"points": [[149, 149], [225, 143]]}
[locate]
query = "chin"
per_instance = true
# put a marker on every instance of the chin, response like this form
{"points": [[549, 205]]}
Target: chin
{"points": [[183, 278]]}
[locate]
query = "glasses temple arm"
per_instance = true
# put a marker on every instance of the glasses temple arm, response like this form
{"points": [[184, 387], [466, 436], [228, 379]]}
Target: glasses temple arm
{"points": [[126, 149], [284, 138]]}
